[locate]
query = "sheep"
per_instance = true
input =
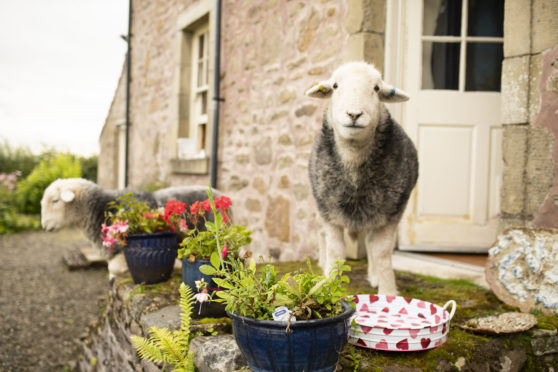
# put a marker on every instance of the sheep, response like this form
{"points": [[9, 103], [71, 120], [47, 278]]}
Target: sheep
{"points": [[82, 203], [362, 169]]}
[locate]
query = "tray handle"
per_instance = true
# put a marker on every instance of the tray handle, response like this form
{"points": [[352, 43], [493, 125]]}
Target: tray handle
{"points": [[453, 307]]}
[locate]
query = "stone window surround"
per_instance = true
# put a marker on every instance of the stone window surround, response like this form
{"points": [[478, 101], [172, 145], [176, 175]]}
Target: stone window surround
{"points": [[188, 22]]}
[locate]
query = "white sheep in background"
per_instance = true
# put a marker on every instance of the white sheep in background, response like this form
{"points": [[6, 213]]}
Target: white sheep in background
{"points": [[82, 203], [362, 169]]}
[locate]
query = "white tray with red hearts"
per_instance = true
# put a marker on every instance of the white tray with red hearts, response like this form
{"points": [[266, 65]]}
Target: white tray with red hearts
{"points": [[398, 323]]}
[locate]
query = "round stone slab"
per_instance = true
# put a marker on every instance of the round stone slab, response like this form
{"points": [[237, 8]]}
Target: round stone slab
{"points": [[522, 269]]}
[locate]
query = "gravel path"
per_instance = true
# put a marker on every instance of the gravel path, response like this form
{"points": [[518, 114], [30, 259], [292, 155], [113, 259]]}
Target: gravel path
{"points": [[44, 307]]}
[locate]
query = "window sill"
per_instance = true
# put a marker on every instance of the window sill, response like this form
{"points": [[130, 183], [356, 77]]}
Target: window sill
{"points": [[189, 166]]}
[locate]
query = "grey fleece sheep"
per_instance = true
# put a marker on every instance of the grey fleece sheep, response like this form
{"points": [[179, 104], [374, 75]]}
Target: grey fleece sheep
{"points": [[363, 168], [79, 202]]}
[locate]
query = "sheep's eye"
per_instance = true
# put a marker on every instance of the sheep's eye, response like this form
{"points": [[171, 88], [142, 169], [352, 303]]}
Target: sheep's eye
{"points": [[376, 88], [54, 201], [335, 85]]}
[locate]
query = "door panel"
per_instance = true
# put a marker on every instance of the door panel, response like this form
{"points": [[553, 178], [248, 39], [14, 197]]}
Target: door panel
{"points": [[454, 118]]}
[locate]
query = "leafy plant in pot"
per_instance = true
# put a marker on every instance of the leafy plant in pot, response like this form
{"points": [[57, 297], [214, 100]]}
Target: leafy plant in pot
{"points": [[149, 237], [212, 231], [297, 323]]}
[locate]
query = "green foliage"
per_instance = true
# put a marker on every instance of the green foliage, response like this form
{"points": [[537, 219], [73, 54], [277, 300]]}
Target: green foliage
{"points": [[219, 234], [31, 189], [313, 295], [89, 167], [19, 159], [257, 293], [10, 220], [170, 347]]}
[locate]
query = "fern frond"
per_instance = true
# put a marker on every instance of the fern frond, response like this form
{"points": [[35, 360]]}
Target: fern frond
{"points": [[186, 304], [146, 349], [171, 351]]}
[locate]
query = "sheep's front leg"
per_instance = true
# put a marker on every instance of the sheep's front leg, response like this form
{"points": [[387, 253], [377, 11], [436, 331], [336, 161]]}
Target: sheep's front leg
{"points": [[372, 273], [334, 246], [380, 243]]}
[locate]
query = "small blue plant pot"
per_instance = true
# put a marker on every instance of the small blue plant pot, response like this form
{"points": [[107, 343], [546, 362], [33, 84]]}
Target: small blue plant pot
{"points": [[311, 346], [190, 274], [150, 257]]}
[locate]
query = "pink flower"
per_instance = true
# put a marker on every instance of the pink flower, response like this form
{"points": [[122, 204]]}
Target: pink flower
{"points": [[120, 227], [104, 229], [183, 225], [224, 251], [202, 297]]}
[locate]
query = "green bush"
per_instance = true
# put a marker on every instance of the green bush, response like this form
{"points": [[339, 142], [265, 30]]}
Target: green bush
{"points": [[89, 167], [30, 190], [17, 159], [10, 220]]}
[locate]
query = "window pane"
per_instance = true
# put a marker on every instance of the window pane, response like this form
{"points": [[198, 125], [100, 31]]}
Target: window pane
{"points": [[484, 67], [201, 74], [440, 65], [201, 46], [203, 97], [486, 18], [442, 17]]}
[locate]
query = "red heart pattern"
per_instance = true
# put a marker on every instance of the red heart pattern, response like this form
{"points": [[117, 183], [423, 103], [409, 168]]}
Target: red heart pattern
{"points": [[382, 345], [398, 323], [424, 342], [433, 309], [403, 344], [366, 329]]}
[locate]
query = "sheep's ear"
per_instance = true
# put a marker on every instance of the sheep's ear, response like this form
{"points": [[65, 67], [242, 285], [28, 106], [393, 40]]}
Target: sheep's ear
{"points": [[391, 94], [67, 196], [321, 90]]}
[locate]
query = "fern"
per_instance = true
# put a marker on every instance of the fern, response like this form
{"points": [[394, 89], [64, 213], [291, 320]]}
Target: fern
{"points": [[171, 348]]}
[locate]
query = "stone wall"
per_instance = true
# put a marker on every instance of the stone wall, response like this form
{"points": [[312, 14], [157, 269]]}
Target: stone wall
{"points": [[273, 51], [107, 174], [530, 31]]}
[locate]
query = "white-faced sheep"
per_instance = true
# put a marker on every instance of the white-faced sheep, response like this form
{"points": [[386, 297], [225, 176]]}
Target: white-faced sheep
{"points": [[363, 168], [82, 203]]}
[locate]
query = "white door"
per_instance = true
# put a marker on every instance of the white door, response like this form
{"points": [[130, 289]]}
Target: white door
{"points": [[450, 64]]}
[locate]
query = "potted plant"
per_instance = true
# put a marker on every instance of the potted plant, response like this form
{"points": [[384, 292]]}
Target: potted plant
{"points": [[149, 237], [211, 231], [297, 323]]}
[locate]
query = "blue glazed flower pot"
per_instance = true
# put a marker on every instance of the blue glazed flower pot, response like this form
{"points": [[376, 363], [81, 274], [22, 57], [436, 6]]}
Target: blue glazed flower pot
{"points": [[312, 346], [150, 257], [191, 273]]}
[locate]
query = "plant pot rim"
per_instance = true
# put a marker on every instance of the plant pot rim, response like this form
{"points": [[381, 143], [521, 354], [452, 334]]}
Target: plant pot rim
{"points": [[349, 311], [147, 235]]}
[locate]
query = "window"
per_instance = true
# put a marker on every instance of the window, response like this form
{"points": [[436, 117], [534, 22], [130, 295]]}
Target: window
{"points": [[200, 89], [462, 44]]}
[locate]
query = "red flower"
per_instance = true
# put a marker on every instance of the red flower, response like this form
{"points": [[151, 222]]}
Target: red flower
{"points": [[223, 202], [206, 205], [195, 208], [225, 218], [224, 251], [174, 207]]}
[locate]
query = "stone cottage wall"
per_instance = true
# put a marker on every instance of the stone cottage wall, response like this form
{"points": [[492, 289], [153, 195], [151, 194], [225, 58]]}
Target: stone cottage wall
{"points": [[273, 51], [107, 169], [530, 32]]}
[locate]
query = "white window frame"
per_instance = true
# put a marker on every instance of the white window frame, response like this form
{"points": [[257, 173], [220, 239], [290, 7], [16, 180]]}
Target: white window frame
{"points": [[199, 119], [462, 39]]}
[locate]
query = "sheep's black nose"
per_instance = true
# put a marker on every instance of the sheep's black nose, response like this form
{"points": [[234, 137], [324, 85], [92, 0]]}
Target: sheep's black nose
{"points": [[354, 114]]}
